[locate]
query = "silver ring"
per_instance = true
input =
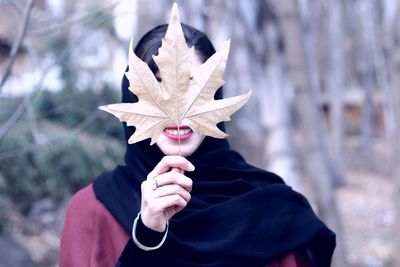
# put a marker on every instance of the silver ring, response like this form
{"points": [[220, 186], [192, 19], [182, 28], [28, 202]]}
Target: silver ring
{"points": [[154, 184]]}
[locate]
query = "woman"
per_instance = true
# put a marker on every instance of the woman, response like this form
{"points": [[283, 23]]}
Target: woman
{"points": [[228, 213]]}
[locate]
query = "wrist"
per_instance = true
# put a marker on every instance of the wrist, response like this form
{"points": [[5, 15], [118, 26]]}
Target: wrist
{"points": [[153, 239], [150, 224]]}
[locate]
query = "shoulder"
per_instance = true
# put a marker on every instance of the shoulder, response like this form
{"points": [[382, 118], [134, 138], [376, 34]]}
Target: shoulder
{"points": [[78, 232], [85, 207], [85, 211], [84, 199], [91, 236], [82, 210]]}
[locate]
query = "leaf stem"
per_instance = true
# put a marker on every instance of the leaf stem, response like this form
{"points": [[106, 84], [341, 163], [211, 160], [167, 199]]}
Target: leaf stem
{"points": [[179, 141]]}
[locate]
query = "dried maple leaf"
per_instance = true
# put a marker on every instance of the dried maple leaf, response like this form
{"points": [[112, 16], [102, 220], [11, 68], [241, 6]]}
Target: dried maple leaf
{"points": [[178, 96]]}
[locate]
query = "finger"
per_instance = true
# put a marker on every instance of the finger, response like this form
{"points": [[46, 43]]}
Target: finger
{"points": [[169, 162], [147, 186], [172, 189], [170, 201], [174, 178], [171, 211], [178, 170]]}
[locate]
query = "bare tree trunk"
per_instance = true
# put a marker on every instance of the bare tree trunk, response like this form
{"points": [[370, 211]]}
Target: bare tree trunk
{"points": [[362, 12], [394, 68], [381, 67], [151, 15], [244, 58], [194, 13], [18, 42], [37, 137], [266, 73], [336, 86], [317, 159], [276, 114], [395, 141]]}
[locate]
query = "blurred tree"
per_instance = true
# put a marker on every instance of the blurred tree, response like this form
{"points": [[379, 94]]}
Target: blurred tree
{"points": [[62, 162], [69, 108], [336, 85], [394, 67], [361, 13], [298, 55], [17, 44]]}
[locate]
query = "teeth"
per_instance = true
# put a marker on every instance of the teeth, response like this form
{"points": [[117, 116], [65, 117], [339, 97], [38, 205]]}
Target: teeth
{"points": [[176, 132]]}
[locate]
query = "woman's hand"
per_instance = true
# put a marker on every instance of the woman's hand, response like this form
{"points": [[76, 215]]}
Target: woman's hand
{"points": [[171, 195]]}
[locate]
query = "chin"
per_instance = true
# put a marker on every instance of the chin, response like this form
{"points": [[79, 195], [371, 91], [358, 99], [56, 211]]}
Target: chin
{"points": [[171, 147], [175, 151]]}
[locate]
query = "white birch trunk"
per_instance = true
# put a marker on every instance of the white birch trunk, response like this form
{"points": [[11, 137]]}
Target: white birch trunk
{"points": [[276, 115], [336, 86], [361, 10], [271, 90], [298, 56]]}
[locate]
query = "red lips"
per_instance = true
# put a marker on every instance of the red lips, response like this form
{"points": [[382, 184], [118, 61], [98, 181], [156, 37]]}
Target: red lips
{"points": [[184, 133]]}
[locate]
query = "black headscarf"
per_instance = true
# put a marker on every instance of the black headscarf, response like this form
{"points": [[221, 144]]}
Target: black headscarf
{"points": [[238, 215]]}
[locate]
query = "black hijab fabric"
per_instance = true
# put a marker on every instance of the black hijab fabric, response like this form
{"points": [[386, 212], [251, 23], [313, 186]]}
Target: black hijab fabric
{"points": [[238, 215]]}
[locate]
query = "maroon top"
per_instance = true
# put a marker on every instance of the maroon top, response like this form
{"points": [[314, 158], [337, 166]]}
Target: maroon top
{"points": [[92, 237]]}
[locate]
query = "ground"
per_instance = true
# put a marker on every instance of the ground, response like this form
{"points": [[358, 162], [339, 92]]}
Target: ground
{"points": [[366, 203]]}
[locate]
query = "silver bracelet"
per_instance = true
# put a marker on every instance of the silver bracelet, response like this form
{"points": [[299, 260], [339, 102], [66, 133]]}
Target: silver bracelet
{"points": [[140, 245]]}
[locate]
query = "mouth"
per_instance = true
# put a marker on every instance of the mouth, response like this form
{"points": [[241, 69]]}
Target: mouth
{"points": [[172, 132]]}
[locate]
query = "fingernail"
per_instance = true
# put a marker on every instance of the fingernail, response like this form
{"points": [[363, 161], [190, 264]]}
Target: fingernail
{"points": [[191, 167]]}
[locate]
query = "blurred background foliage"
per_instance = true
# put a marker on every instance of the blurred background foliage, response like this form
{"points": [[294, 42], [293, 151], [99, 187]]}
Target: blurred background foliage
{"points": [[68, 161]]}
